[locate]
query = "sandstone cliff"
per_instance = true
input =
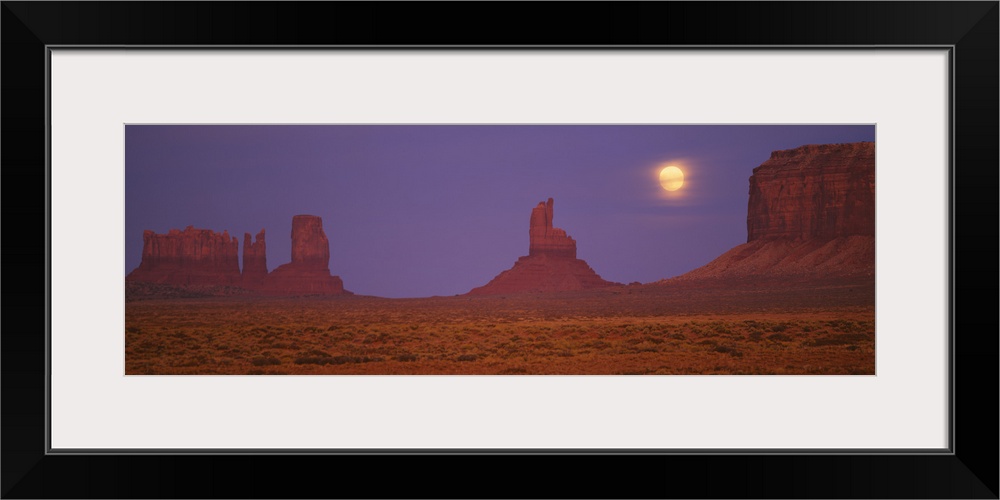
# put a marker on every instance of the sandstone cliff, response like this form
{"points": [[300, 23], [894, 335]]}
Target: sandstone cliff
{"points": [[811, 213], [816, 191], [551, 264], [189, 257]]}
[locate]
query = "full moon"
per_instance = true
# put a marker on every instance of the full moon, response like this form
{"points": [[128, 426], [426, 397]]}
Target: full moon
{"points": [[671, 178]]}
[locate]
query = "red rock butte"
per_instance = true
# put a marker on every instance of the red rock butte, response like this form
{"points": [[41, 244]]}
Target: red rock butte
{"points": [[188, 257], [816, 191], [811, 213], [551, 264], [309, 271], [202, 257]]}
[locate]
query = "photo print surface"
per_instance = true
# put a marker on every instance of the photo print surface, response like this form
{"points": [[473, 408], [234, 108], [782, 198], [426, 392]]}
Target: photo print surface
{"points": [[500, 249]]}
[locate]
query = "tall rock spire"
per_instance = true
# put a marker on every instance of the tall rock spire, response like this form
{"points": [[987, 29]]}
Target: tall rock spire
{"points": [[309, 271], [543, 238], [254, 260], [551, 264]]}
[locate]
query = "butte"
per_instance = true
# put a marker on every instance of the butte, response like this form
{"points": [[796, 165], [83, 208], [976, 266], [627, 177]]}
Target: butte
{"points": [[810, 215], [551, 264]]}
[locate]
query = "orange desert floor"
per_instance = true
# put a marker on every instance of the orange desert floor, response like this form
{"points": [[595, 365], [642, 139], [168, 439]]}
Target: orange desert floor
{"points": [[658, 329]]}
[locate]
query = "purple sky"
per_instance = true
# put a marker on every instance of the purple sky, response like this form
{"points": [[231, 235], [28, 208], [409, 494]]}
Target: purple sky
{"points": [[421, 210]]}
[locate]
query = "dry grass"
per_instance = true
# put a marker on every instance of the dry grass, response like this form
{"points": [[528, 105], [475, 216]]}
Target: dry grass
{"points": [[635, 330]]}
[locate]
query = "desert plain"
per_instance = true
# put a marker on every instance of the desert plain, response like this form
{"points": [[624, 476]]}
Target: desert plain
{"points": [[669, 328]]}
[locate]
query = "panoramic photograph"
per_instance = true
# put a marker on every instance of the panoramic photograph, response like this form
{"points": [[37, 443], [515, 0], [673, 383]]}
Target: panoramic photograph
{"points": [[499, 250]]}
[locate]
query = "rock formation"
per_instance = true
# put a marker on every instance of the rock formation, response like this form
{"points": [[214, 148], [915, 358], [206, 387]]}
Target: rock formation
{"points": [[309, 271], [254, 261], [551, 264], [189, 257], [310, 248], [811, 213], [816, 191], [543, 239], [200, 257]]}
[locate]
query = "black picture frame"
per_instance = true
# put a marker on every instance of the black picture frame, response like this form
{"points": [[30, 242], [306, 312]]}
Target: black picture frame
{"points": [[969, 28]]}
